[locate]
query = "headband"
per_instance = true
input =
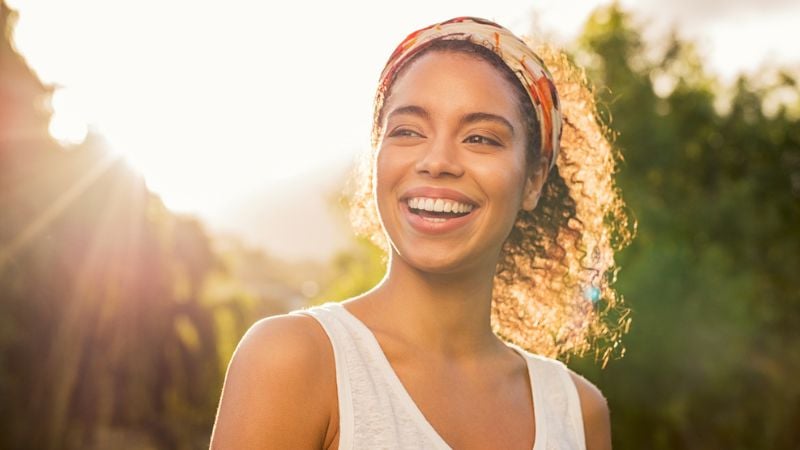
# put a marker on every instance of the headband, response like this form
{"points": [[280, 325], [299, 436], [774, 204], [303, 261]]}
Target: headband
{"points": [[525, 64]]}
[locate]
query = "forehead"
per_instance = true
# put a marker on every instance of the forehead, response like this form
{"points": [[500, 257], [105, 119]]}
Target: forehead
{"points": [[453, 80]]}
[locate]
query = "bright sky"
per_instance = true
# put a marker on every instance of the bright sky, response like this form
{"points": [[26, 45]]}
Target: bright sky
{"points": [[215, 100]]}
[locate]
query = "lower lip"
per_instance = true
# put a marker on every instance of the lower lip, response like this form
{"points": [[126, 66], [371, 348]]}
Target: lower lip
{"points": [[429, 227]]}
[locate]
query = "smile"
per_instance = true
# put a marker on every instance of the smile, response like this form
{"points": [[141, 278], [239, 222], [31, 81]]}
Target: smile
{"points": [[437, 215], [438, 209]]}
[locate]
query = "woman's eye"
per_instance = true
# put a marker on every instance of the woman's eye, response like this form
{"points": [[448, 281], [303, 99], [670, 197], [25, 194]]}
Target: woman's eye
{"points": [[481, 140], [404, 132]]}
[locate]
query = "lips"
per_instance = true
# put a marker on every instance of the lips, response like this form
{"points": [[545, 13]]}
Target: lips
{"points": [[435, 192]]}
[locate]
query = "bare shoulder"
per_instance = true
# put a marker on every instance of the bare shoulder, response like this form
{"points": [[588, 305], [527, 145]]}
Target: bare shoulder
{"points": [[289, 342], [596, 417], [278, 387]]}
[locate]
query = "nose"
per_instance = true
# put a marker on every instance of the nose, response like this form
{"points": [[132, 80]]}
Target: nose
{"points": [[440, 158]]}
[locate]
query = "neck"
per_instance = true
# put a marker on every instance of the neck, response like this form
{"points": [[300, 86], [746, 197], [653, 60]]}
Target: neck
{"points": [[447, 313]]}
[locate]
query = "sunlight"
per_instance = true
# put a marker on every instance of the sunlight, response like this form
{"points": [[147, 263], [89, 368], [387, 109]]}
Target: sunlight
{"points": [[68, 124], [211, 105], [53, 210], [223, 108]]}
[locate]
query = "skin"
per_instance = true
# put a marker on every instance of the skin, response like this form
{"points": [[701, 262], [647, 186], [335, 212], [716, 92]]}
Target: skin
{"points": [[431, 312]]}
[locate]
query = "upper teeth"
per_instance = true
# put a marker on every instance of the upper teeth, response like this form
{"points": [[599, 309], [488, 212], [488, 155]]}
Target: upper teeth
{"points": [[438, 205]]}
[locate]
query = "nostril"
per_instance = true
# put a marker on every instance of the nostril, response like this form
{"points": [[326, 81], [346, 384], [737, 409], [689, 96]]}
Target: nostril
{"points": [[438, 166]]}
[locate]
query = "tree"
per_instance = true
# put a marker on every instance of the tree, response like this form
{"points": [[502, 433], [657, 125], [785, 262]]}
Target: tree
{"points": [[713, 349]]}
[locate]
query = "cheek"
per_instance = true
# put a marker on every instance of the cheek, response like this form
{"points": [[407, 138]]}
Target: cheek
{"points": [[380, 172], [504, 182], [390, 165], [386, 173]]}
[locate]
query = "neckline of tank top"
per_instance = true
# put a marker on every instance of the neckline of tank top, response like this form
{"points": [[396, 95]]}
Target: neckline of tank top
{"points": [[411, 406]]}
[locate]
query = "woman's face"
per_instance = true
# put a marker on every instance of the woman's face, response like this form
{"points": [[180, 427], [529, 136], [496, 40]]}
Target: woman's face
{"points": [[451, 167]]}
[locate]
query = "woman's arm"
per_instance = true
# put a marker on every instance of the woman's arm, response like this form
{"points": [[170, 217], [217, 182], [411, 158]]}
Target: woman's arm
{"points": [[277, 391], [596, 420]]}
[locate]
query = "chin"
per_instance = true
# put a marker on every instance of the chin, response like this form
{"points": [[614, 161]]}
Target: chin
{"points": [[430, 261]]}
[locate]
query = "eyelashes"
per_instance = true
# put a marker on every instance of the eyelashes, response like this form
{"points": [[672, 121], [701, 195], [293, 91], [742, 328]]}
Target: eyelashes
{"points": [[472, 139], [405, 132], [482, 140]]}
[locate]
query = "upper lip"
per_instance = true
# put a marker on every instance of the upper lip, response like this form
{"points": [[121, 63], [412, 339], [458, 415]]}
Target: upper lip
{"points": [[438, 192]]}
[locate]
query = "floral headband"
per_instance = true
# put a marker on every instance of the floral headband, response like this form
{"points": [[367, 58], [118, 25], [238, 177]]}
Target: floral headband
{"points": [[525, 64]]}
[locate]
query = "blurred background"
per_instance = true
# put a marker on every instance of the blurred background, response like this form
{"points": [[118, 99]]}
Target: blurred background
{"points": [[170, 172]]}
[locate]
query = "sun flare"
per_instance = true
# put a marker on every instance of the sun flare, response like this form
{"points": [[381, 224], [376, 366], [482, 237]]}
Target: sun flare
{"points": [[209, 104]]}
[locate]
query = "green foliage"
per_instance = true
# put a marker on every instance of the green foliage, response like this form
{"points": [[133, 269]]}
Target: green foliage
{"points": [[713, 351], [354, 272]]}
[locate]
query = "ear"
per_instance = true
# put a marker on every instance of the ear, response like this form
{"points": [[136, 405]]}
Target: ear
{"points": [[534, 182]]}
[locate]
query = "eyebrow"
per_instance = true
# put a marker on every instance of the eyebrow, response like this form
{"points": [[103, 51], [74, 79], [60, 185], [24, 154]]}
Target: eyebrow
{"points": [[482, 116], [413, 110], [421, 112]]}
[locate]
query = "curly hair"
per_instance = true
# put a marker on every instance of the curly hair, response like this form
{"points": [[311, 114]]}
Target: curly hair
{"points": [[552, 291]]}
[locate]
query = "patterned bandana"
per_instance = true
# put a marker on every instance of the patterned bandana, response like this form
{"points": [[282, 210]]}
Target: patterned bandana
{"points": [[525, 64]]}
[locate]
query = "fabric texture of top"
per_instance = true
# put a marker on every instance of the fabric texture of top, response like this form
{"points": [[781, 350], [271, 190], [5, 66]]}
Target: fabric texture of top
{"points": [[377, 412]]}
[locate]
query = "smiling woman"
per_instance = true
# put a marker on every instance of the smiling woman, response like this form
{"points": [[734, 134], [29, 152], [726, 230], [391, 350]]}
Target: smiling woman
{"points": [[499, 241], [455, 146]]}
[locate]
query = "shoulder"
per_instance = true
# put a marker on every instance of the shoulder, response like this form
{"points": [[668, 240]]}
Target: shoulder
{"points": [[292, 342], [596, 417], [289, 348], [280, 387]]}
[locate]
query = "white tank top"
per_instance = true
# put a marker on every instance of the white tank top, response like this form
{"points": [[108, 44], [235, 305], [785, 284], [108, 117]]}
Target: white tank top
{"points": [[376, 411]]}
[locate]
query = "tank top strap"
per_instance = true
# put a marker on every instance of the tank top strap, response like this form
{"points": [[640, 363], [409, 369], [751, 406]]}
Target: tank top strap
{"points": [[559, 395], [372, 410], [342, 351]]}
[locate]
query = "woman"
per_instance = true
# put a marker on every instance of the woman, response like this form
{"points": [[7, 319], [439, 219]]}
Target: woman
{"points": [[466, 134]]}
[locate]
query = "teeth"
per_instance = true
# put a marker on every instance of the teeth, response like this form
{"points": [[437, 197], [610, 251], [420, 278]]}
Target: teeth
{"points": [[438, 205]]}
